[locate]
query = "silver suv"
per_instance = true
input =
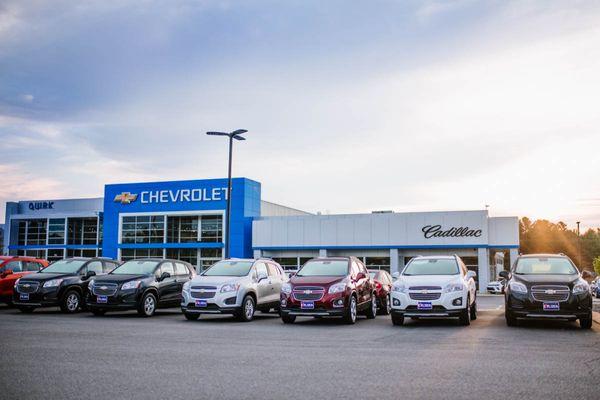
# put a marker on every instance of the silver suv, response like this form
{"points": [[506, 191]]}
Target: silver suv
{"points": [[234, 286]]}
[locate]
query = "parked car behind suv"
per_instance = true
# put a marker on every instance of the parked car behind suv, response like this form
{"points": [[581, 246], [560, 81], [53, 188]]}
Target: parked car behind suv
{"points": [[144, 285], [13, 268], [63, 283], [547, 286], [383, 287], [435, 287], [234, 286], [329, 287]]}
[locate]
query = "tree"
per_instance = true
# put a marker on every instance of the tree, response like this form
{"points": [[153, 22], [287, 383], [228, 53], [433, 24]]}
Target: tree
{"points": [[597, 265]]}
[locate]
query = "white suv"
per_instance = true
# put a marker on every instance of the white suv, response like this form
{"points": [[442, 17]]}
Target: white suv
{"points": [[435, 287], [234, 286]]}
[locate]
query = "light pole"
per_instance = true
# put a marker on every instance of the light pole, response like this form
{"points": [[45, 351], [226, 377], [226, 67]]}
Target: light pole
{"points": [[232, 135], [579, 244]]}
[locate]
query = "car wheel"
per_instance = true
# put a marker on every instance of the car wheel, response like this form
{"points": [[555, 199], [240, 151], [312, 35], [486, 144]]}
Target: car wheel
{"points": [[465, 316], [70, 302], [372, 311], [147, 306], [350, 317], [26, 309], [397, 319], [191, 316], [474, 311], [510, 320], [246, 314], [386, 307], [586, 323], [288, 319]]}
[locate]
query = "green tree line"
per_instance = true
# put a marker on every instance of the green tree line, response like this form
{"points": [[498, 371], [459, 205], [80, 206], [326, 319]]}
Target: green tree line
{"points": [[542, 236]]}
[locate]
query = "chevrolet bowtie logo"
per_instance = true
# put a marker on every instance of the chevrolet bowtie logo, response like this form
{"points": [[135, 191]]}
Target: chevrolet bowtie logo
{"points": [[126, 198]]}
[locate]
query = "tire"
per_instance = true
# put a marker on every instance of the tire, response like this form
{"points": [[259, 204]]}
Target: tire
{"points": [[385, 307], [191, 316], [397, 320], [97, 312], [465, 316], [351, 314], [246, 314], [147, 306], [586, 323], [474, 311], [26, 309], [510, 320], [372, 310], [288, 319], [70, 302]]}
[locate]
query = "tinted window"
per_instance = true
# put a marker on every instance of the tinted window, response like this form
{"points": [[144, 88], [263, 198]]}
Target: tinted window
{"points": [[432, 266], [68, 266], [31, 266], [324, 268], [261, 268], [109, 266], [95, 266], [181, 269], [136, 268], [167, 267], [273, 270], [14, 266], [545, 265]]}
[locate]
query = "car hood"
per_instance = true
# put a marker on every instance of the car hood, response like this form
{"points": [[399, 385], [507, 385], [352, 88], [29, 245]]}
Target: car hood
{"points": [[316, 280], [117, 278], [546, 279], [428, 280], [42, 276], [215, 280]]}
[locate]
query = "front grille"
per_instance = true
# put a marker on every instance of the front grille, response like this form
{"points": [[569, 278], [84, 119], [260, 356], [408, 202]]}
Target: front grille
{"points": [[207, 288], [310, 293], [425, 296], [550, 293], [425, 288], [28, 287], [104, 289], [202, 294]]}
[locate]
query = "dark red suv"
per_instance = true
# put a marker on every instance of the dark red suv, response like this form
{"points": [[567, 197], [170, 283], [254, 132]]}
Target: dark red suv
{"points": [[329, 287]]}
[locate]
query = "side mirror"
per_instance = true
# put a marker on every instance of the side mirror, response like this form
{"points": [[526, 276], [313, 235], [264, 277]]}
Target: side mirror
{"points": [[505, 274], [164, 276], [585, 274], [261, 275], [471, 274], [88, 275]]}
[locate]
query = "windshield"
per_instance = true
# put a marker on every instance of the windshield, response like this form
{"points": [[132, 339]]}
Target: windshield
{"points": [[324, 268], [64, 267], [136, 268], [432, 266], [545, 266], [373, 274], [229, 268]]}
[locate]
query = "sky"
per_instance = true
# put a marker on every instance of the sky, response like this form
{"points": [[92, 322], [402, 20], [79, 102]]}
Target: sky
{"points": [[351, 106]]}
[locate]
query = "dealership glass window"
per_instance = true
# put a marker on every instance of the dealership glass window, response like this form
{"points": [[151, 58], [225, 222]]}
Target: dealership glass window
{"points": [[55, 254], [378, 263], [100, 228], [187, 255], [287, 263], [82, 231], [143, 229], [35, 253], [22, 233], [208, 257], [56, 231], [132, 254], [32, 232], [182, 229], [212, 228], [81, 253]]}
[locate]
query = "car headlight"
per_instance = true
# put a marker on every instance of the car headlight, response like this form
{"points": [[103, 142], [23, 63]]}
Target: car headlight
{"points": [[337, 288], [454, 287], [186, 286], [131, 285], [53, 283], [517, 287], [231, 287], [581, 287], [399, 287], [286, 288], [91, 283]]}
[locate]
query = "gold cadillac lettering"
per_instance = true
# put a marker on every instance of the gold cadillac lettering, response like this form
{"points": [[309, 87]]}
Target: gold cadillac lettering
{"points": [[435, 231]]}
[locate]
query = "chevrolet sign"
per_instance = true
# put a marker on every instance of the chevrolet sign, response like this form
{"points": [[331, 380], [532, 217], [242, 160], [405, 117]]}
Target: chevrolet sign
{"points": [[125, 198]]}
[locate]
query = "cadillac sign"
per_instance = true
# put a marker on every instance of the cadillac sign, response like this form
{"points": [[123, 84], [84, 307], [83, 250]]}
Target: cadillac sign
{"points": [[436, 231]]}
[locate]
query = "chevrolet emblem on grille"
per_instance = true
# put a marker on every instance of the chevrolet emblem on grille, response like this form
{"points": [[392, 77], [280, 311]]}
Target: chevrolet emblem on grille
{"points": [[201, 290], [103, 287], [550, 291], [307, 291], [26, 285], [424, 291]]}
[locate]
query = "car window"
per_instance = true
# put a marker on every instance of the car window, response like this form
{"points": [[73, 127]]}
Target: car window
{"points": [[273, 270], [355, 268], [14, 266], [95, 266], [261, 267], [167, 267], [31, 266], [109, 266], [181, 269]]}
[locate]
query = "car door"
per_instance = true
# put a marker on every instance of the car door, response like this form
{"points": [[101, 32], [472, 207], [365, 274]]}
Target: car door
{"points": [[168, 288], [6, 281], [362, 285], [183, 275], [264, 287], [276, 277]]}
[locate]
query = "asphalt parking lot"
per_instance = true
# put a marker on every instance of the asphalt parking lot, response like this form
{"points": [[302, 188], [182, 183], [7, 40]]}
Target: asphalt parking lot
{"points": [[54, 356]]}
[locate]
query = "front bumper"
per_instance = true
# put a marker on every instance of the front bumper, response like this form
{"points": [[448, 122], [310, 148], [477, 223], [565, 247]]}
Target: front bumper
{"points": [[443, 307], [521, 305], [42, 297], [329, 305], [122, 300], [219, 303]]}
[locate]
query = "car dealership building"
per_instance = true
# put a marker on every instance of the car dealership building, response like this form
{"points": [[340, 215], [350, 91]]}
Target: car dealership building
{"points": [[184, 220]]}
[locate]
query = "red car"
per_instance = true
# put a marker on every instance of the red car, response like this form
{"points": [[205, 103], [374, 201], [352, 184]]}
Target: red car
{"points": [[329, 287], [13, 268], [383, 285]]}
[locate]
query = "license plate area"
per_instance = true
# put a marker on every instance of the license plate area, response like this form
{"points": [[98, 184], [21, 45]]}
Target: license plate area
{"points": [[307, 305], [23, 296], [424, 305], [102, 299], [201, 303], [551, 306]]}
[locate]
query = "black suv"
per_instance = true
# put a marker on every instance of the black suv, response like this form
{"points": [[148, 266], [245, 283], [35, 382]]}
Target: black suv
{"points": [[144, 285], [63, 283], [547, 286]]}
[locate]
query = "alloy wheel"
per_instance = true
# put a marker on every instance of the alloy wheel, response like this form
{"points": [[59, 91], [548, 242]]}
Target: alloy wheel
{"points": [[149, 305], [249, 308], [353, 309], [374, 305], [72, 302]]}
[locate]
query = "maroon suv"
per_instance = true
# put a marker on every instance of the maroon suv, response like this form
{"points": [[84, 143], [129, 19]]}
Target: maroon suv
{"points": [[329, 287]]}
